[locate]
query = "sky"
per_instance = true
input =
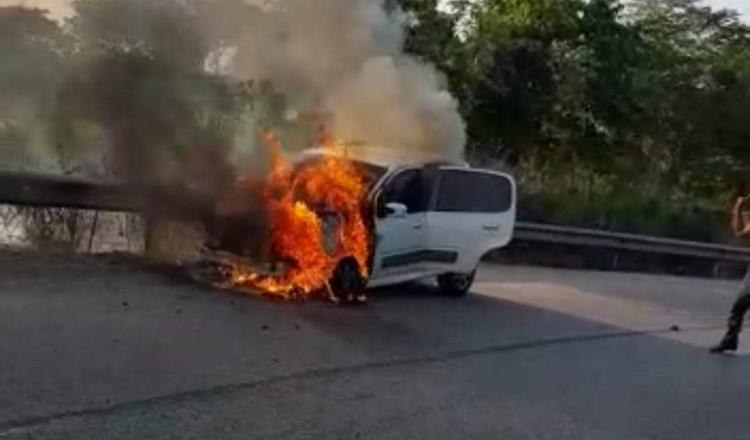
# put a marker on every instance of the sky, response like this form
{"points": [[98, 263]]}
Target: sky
{"points": [[741, 5], [61, 7]]}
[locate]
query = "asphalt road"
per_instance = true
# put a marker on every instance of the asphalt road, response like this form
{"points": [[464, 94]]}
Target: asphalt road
{"points": [[108, 349]]}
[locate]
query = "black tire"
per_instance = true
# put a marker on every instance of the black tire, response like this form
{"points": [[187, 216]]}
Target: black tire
{"points": [[347, 286], [456, 285], [210, 273]]}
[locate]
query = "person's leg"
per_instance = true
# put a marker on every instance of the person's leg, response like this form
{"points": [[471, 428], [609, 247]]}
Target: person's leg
{"points": [[740, 308], [736, 319]]}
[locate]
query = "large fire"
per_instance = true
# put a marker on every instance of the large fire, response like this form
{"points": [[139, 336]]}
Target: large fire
{"points": [[301, 203]]}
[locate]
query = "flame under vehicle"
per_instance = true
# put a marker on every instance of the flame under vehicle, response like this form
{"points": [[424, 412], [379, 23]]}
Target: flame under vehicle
{"points": [[422, 217]]}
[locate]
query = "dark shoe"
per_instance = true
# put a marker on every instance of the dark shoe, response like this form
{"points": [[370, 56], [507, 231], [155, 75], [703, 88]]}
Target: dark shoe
{"points": [[729, 343]]}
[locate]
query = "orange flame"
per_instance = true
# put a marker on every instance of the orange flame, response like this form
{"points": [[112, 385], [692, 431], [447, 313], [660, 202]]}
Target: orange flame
{"points": [[296, 200]]}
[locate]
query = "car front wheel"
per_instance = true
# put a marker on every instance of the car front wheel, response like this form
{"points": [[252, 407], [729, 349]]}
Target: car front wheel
{"points": [[456, 285], [347, 286]]}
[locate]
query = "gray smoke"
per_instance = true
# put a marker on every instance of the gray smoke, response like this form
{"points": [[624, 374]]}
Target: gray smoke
{"points": [[344, 59]]}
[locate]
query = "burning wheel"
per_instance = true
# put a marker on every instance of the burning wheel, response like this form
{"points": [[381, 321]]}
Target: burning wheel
{"points": [[347, 285], [211, 272], [456, 285]]}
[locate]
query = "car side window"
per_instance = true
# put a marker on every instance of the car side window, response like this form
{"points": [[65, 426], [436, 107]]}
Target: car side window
{"points": [[471, 191], [412, 188]]}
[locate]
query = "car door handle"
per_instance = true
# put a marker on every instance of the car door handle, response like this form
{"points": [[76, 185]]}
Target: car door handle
{"points": [[418, 227], [491, 228]]}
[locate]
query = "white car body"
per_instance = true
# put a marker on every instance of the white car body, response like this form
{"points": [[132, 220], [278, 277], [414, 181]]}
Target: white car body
{"points": [[462, 214]]}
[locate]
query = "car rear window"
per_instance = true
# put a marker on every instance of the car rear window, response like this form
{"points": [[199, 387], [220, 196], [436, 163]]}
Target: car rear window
{"points": [[472, 191]]}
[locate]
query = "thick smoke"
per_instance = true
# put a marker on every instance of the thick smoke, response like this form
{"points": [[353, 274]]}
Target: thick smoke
{"points": [[160, 78], [166, 92], [344, 58], [397, 103]]}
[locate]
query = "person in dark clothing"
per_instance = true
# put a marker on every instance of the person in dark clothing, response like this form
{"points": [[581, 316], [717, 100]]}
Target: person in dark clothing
{"points": [[730, 342]]}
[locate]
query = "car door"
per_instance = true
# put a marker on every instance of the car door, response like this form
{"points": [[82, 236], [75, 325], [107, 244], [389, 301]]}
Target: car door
{"points": [[473, 213], [401, 235]]}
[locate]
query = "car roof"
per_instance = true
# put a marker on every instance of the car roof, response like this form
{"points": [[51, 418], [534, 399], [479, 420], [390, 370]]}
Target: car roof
{"points": [[383, 157]]}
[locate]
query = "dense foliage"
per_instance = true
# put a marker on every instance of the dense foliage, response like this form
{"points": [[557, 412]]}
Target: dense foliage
{"points": [[622, 115]]}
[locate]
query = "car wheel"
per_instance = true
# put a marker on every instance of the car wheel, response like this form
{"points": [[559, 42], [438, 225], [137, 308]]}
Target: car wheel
{"points": [[211, 273], [455, 284], [347, 285]]}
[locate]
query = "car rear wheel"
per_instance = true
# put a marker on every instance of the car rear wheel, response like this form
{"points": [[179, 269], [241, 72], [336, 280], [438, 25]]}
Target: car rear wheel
{"points": [[347, 285], [456, 285]]}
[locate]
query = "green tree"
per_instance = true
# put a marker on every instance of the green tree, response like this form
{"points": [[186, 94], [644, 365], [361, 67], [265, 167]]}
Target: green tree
{"points": [[695, 78], [514, 73]]}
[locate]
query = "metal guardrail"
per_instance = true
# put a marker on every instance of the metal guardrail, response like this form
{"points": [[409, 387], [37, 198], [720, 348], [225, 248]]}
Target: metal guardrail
{"points": [[53, 191], [535, 232], [44, 190]]}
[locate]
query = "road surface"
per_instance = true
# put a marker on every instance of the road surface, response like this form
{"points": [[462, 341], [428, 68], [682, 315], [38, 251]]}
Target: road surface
{"points": [[94, 348]]}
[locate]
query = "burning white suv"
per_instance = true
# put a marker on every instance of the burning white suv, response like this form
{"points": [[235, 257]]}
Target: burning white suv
{"points": [[430, 218], [342, 219]]}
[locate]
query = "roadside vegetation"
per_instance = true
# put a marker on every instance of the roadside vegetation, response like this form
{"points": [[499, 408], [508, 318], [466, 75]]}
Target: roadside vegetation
{"points": [[627, 116]]}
